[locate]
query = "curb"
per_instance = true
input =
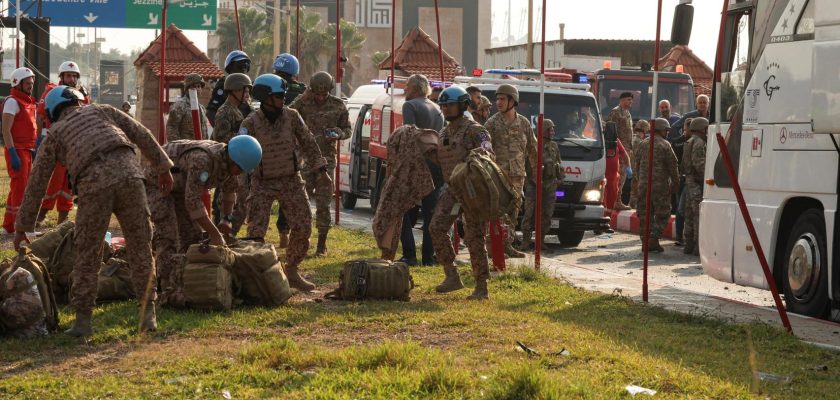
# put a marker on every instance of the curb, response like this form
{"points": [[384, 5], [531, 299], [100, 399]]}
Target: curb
{"points": [[627, 221]]}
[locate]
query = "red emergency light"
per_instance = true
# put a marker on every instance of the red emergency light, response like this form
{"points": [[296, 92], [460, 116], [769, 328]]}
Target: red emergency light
{"points": [[478, 72]]}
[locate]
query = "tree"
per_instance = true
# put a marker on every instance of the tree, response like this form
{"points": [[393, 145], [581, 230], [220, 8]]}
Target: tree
{"points": [[256, 38]]}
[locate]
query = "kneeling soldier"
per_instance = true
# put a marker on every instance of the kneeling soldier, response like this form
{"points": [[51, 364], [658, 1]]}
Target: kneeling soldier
{"points": [[96, 143], [199, 165]]}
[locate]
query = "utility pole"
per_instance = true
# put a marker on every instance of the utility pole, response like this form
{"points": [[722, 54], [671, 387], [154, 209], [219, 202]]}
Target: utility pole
{"points": [[276, 27], [530, 46], [288, 26]]}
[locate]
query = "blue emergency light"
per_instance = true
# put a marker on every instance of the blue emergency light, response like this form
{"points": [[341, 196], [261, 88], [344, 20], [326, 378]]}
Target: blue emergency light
{"points": [[560, 194], [512, 71], [579, 77]]}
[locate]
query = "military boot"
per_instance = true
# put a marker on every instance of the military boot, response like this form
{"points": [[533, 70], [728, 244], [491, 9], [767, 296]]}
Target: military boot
{"points": [[149, 321], [321, 250], [284, 240], [654, 246], [689, 247], [510, 252], [82, 327], [62, 216], [296, 281], [480, 291], [452, 282], [526, 244]]}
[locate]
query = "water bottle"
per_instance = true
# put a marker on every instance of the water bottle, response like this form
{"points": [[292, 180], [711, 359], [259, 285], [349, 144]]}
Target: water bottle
{"points": [[108, 237]]}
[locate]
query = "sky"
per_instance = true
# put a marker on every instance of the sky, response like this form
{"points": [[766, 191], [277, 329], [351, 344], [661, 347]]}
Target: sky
{"points": [[584, 19]]}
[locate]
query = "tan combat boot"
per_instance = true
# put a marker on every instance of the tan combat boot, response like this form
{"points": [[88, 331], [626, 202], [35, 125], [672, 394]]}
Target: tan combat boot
{"points": [[296, 281], [284, 240], [149, 321], [82, 327], [321, 250], [480, 291], [452, 282], [526, 244], [654, 246]]}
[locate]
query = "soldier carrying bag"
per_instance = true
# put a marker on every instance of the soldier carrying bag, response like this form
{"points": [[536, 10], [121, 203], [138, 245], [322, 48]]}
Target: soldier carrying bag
{"points": [[375, 279], [484, 190]]}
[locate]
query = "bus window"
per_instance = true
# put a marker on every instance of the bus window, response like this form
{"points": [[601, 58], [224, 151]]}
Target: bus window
{"points": [[805, 26]]}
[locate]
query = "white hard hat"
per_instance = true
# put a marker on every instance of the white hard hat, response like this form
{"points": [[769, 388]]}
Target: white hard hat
{"points": [[20, 74], [69, 66]]}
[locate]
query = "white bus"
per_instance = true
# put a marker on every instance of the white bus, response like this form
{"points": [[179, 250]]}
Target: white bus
{"points": [[778, 104]]}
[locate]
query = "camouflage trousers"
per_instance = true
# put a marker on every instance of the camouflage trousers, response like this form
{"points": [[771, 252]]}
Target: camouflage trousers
{"points": [[511, 220], [442, 220], [126, 200], [660, 208], [174, 232], [694, 195], [548, 199], [289, 192], [323, 195], [240, 210]]}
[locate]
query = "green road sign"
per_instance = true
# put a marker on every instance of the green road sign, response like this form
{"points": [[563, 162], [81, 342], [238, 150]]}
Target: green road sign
{"points": [[186, 14]]}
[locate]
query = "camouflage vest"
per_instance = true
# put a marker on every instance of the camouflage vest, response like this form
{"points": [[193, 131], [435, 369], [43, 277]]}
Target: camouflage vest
{"points": [[451, 150], [277, 141], [216, 150], [87, 133]]}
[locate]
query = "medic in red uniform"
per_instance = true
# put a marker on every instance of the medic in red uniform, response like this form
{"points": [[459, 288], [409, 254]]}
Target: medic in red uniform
{"points": [[19, 137]]}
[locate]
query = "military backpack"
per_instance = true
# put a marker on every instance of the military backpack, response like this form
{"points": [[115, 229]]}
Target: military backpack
{"points": [[41, 280], [259, 274], [207, 280], [482, 188], [375, 279]]}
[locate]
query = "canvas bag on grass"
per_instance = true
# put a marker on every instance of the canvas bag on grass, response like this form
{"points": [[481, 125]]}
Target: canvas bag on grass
{"points": [[375, 279], [61, 263], [260, 276], [26, 261], [44, 246], [483, 189], [207, 281]]}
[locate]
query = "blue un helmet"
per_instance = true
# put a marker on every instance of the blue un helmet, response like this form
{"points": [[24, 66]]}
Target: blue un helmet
{"points": [[236, 56], [454, 94], [287, 64], [267, 85], [245, 152], [60, 97]]}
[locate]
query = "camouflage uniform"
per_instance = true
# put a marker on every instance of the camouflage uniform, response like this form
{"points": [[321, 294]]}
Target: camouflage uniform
{"points": [[97, 145], [217, 99], [277, 177], [21, 312], [624, 125], [318, 118], [456, 141], [228, 120], [553, 175], [693, 166], [179, 124], [665, 174], [200, 165], [514, 144]]}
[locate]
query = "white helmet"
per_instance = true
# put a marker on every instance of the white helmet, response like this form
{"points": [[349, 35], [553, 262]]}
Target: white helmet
{"points": [[69, 66], [20, 74]]}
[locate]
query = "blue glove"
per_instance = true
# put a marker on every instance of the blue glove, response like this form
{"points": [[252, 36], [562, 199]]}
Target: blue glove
{"points": [[14, 159], [629, 172]]}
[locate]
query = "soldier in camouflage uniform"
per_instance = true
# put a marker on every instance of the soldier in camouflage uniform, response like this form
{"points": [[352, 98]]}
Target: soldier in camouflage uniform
{"points": [[457, 139], [21, 310], [97, 145], [665, 180], [179, 124], [640, 131], [514, 143], [327, 118], [552, 177], [179, 216], [287, 67], [694, 168], [279, 129], [228, 118], [235, 62], [624, 125], [482, 113]]}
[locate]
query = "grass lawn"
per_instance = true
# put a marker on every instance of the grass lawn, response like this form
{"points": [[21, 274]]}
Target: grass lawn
{"points": [[436, 346]]}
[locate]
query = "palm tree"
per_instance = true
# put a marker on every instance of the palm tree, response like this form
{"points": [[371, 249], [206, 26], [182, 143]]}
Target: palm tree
{"points": [[256, 37]]}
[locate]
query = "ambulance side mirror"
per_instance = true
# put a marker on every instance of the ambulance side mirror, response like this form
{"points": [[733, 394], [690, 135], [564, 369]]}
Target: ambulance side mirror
{"points": [[610, 136], [681, 28]]}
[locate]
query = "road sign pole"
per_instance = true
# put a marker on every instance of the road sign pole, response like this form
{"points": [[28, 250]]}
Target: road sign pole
{"points": [[162, 86]]}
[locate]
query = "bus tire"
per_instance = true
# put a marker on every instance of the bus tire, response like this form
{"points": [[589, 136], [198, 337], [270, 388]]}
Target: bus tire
{"points": [[348, 201], [805, 266], [570, 238]]}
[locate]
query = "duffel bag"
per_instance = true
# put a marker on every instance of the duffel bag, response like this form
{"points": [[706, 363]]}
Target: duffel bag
{"points": [[373, 279], [115, 281], [41, 281], [44, 246], [208, 254]]}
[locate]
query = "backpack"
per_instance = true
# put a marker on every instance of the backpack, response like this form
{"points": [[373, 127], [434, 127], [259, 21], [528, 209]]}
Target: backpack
{"points": [[114, 281], [259, 274], [484, 191], [375, 279], [207, 281], [61, 263], [44, 246], [41, 279]]}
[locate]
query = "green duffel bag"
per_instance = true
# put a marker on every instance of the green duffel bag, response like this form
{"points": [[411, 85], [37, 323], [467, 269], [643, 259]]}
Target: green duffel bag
{"points": [[253, 255], [61, 262], [375, 279], [208, 254], [207, 286], [44, 246], [115, 281], [260, 283]]}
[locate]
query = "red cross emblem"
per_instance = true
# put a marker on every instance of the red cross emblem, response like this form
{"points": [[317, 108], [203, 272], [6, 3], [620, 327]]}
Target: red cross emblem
{"points": [[71, 65]]}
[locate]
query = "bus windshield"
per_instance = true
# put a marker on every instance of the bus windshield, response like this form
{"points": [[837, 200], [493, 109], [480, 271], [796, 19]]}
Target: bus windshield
{"points": [[680, 94]]}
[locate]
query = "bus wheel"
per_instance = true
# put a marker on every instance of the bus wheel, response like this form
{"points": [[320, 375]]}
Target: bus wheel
{"points": [[570, 238], [805, 273], [348, 201]]}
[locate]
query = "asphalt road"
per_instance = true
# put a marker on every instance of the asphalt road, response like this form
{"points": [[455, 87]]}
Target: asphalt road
{"points": [[612, 263]]}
